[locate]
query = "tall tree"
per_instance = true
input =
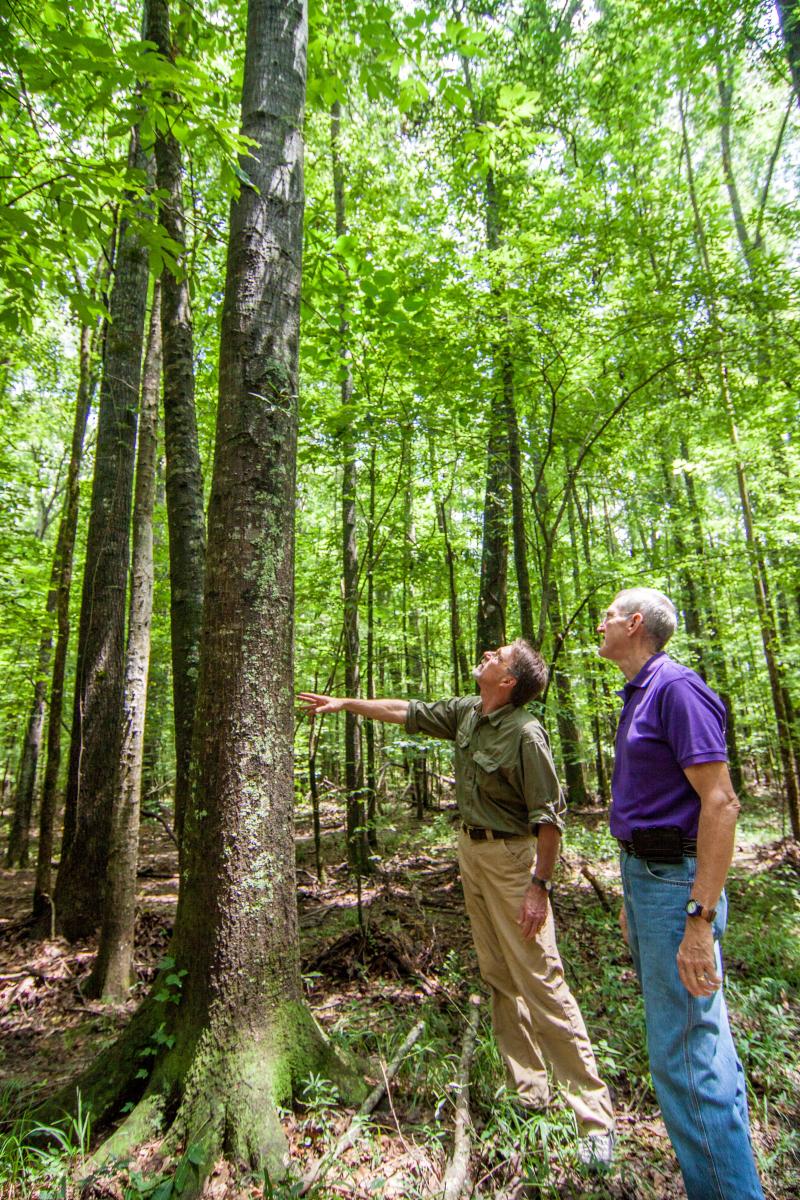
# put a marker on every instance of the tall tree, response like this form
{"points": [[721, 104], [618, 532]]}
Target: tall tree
{"points": [[111, 975], [101, 637], [64, 556], [184, 477]]}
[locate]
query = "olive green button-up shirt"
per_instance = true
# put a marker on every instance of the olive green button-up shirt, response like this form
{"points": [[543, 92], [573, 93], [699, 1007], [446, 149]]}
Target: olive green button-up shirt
{"points": [[505, 776]]}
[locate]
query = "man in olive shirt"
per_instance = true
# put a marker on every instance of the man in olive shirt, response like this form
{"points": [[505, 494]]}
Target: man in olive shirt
{"points": [[507, 790]]}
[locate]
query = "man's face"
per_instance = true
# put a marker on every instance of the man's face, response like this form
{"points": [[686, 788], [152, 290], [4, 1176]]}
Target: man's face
{"points": [[494, 667], [614, 626]]}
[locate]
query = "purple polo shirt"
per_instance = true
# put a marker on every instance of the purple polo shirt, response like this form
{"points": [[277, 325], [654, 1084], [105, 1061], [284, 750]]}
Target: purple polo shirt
{"points": [[670, 719]]}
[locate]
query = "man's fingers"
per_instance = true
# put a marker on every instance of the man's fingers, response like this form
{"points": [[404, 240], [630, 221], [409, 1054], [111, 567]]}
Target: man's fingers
{"points": [[698, 977]]}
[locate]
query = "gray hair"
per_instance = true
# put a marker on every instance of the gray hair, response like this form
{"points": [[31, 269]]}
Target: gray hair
{"points": [[659, 615]]}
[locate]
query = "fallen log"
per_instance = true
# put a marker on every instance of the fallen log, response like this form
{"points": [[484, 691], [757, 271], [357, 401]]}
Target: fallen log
{"points": [[321, 1165]]}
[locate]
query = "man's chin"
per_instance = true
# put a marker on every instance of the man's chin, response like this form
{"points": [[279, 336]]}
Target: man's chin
{"points": [[476, 672]]}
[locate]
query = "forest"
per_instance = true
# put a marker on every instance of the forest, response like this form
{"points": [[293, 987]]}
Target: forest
{"points": [[339, 344]]}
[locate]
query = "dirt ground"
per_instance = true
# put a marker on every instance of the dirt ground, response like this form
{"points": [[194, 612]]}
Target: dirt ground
{"points": [[416, 928]]}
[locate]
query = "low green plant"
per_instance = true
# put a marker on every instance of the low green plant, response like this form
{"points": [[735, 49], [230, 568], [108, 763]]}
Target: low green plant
{"points": [[35, 1157]]}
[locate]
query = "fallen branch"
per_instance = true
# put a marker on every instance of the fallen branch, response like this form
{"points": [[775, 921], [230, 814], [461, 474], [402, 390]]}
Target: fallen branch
{"points": [[598, 887], [456, 1175], [321, 1166]]}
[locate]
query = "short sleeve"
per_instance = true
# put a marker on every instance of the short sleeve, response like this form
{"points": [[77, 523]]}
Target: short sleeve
{"points": [[693, 719], [439, 719], [543, 795]]}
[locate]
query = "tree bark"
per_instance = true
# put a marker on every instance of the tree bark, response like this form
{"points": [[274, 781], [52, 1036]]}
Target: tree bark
{"points": [[64, 557], [185, 515], [100, 658], [111, 975]]}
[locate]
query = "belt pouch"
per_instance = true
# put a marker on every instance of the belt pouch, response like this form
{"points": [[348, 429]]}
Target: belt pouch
{"points": [[658, 843]]}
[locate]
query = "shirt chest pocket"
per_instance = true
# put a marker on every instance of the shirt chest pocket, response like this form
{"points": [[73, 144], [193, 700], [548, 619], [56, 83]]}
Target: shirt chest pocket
{"points": [[490, 775]]}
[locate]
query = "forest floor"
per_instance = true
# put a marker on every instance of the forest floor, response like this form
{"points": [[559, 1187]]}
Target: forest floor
{"points": [[404, 955]]}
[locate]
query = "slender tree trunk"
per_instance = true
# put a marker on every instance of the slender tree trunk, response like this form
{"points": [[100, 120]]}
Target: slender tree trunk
{"points": [[713, 647], [357, 841], [595, 699], [789, 17], [64, 558], [517, 503], [112, 973], [100, 658], [492, 596], [184, 477], [766, 617], [458, 657], [568, 729], [412, 647], [371, 779], [20, 832]]}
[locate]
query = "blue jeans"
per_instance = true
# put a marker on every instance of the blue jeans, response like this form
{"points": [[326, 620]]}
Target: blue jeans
{"points": [[696, 1071]]}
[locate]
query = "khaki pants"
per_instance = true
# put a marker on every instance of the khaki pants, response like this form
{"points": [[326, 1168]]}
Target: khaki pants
{"points": [[534, 1014]]}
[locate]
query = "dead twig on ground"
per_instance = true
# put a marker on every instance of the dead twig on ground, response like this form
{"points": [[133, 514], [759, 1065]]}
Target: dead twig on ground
{"points": [[457, 1173], [598, 887], [349, 1136]]}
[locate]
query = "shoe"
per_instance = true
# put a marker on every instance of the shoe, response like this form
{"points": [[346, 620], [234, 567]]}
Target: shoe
{"points": [[596, 1151]]}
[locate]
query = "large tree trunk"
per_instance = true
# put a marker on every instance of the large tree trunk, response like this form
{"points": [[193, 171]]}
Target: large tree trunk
{"points": [[184, 478], [101, 638], [64, 557], [111, 975], [241, 1035]]}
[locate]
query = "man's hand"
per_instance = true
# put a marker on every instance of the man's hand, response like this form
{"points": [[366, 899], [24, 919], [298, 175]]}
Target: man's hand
{"points": [[320, 704], [697, 965], [533, 913], [623, 924]]}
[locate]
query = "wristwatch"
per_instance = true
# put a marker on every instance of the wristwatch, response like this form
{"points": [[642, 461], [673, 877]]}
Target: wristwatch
{"points": [[695, 909], [545, 884]]}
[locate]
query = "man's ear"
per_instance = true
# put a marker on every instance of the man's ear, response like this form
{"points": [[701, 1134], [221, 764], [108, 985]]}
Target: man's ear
{"points": [[510, 681], [636, 620]]}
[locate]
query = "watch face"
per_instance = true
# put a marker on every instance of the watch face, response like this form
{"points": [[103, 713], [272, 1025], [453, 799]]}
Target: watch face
{"points": [[694, 908]]}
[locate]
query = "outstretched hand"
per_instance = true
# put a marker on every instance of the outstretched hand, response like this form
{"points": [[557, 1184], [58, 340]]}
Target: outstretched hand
{"points": [[315, 703]]}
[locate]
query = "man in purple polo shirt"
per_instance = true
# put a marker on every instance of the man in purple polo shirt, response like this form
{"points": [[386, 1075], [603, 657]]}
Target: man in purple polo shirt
{"points": [[674, 814]]}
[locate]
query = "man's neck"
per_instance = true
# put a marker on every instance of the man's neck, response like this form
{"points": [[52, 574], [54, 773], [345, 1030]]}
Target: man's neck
{"points": [[491, 703], [632, 665]]}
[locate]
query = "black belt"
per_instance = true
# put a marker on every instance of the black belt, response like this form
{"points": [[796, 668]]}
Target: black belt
{"points": [[689, 849], [488, 835]]}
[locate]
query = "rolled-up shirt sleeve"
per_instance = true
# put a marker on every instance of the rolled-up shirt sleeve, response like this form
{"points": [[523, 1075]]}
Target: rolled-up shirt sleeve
{"points": [[543, 794], [439, 719]]}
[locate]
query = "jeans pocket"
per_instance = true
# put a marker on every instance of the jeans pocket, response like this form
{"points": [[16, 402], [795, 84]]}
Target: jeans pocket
{"points": [[679, 874]]}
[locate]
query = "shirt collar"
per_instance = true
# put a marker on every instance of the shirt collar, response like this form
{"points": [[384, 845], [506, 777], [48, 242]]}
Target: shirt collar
{"points": [[498, 714], [644, 676]]}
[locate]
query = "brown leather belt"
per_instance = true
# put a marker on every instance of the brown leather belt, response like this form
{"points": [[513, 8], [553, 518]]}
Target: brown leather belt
{"points": [[488, 835], [689, 848]]}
